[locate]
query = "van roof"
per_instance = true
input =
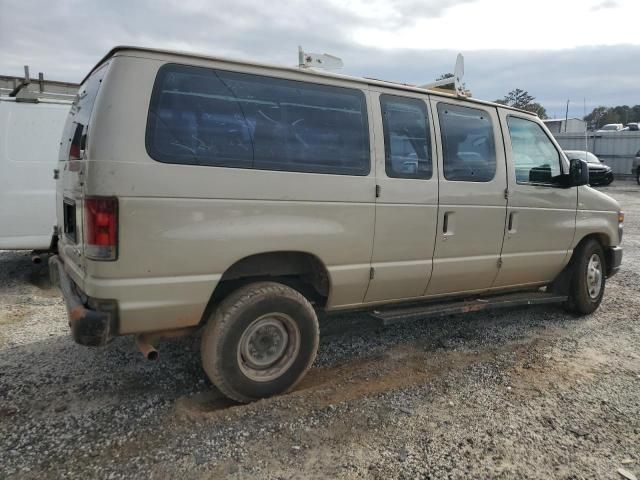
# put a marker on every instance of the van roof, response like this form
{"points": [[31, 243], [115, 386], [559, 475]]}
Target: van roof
{"points": [[309, 71]]}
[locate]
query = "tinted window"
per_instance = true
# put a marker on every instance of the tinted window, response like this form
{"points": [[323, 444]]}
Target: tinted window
{"points": [[201, 116], [407, 142], [535, 157], [468, 146]]}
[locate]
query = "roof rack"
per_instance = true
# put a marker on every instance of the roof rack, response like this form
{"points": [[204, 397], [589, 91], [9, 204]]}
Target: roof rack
{"points": [[26, 89], [456, 79], [325, 61], [318, 60]]}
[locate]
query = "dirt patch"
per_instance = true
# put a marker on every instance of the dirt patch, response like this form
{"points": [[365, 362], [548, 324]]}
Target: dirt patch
{"points": [[401, 367], [13, 313]]}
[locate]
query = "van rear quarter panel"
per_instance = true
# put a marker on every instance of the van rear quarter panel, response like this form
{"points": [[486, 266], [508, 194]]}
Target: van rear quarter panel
{"points": [[182, 226]]}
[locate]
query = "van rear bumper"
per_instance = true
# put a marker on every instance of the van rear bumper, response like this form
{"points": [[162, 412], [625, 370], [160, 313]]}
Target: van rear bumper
{"points": [[89, 326]]}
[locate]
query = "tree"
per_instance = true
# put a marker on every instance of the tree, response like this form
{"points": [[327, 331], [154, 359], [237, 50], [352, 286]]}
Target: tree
{"points": [[602, 115], [521, 99], [538, 109]]}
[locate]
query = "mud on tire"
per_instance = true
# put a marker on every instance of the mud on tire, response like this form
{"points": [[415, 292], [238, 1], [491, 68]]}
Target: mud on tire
{"points": [[260, 341]]}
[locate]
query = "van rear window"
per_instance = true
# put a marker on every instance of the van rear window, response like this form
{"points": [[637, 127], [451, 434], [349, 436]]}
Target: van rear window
{"points": [[202, 116], [76, 129]]}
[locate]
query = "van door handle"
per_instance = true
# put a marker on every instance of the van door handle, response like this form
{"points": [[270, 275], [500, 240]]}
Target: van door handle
{"points": [[512, 224], [448, 224]]}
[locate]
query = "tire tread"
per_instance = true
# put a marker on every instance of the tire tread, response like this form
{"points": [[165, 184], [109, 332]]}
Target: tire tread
{"points": [[222, 319]]}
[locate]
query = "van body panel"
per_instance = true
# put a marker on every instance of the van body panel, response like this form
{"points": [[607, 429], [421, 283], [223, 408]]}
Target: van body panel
{"points": [[597, 222], [150, 304], [597, 214], [405, 226], [176, 237], [542, 217], [467, 253], [29, 132]]}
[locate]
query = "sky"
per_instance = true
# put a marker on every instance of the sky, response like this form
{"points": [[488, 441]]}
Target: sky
{"points": [[584, 51]]}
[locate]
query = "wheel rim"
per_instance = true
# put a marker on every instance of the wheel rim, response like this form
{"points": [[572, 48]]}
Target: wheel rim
{"points": [[594, 276], [268, 347]]}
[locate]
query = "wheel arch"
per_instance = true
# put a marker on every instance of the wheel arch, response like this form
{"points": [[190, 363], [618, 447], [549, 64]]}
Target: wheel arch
{"points": [[300, 270], [560, 284]]}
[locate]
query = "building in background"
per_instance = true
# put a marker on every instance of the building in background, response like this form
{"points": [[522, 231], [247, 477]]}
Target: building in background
{"points": [[571, 125], [616, 149]]}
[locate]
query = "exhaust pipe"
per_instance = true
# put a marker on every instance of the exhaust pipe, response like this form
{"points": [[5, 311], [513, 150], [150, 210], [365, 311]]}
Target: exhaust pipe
{"points": [[145, 347], [145, 341]]}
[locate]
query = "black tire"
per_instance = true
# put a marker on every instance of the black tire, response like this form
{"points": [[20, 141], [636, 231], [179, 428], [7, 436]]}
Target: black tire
{"points": [[584, 297], [638, 175], [258, 314]]}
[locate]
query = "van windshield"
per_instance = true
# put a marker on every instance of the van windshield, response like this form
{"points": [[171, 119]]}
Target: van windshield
{"points": [[76, 128]]}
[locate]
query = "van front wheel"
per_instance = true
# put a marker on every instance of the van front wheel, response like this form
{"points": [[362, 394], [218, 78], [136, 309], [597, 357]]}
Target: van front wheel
{"points": [[587, 283], [260, 341]]}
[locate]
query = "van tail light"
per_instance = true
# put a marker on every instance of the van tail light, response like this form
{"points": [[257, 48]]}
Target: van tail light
{"points": [[101, 228]]}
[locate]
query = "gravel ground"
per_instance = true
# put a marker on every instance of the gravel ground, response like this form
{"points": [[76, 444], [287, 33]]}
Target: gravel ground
{"points": [[532, 393]]}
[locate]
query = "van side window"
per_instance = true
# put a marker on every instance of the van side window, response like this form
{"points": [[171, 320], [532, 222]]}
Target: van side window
{"points": [[468, 146], [535, 158], [202, 116], [407, 142]]}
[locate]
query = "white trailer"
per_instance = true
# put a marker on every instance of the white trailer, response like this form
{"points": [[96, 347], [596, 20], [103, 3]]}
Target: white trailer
{"points": [[30, 133]]}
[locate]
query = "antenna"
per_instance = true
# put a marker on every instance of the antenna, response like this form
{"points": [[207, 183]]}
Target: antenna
{"points": [[317, 60], [456, 80]]}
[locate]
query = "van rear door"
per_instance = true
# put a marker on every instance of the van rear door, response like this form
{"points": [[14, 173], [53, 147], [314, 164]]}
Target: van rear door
{"points": [[72, 168]]}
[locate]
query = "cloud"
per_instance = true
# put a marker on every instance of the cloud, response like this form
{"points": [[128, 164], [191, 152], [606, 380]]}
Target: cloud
{"points": [[65, 38], [604, 5]]}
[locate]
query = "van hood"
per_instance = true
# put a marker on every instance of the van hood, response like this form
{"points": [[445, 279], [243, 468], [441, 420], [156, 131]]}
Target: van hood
{"points": [[592, 199]]}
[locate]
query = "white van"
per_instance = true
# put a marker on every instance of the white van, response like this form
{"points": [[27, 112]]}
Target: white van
{"points": [[243, 198], [30, 135]]}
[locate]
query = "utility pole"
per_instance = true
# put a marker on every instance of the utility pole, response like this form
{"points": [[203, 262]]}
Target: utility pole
{"points": [[566, 117]]}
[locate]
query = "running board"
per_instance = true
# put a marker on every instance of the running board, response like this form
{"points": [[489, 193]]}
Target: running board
{"points": [[389, 317]]}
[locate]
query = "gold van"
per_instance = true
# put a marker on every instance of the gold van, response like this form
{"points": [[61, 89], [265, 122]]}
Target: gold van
{"points": [[243, 198]]}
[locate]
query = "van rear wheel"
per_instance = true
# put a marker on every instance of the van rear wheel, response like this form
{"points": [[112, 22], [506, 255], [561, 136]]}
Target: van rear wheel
{"points": [[260, 341], [588, 279]]}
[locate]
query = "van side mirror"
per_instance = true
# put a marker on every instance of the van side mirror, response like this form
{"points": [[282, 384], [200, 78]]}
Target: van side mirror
{"points": [[578, 172]]}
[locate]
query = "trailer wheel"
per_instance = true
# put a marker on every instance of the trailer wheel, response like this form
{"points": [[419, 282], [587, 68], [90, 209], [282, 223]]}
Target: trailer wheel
{"points": [[260, 341], [588, 279]]}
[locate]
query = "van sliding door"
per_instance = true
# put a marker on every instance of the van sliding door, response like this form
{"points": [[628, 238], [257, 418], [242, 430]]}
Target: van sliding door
{"points": [[407, 200], [472, 204]]}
